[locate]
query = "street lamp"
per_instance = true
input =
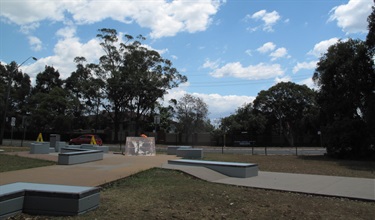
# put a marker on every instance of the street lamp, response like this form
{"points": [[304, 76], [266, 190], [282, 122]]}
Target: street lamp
{"points": [[6, 99]]}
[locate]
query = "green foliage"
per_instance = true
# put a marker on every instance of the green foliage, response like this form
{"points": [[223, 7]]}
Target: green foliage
{"points": [[346, 77], [347, 139], [191, 115], [47, 80], [286, 105], [244, 119], [135, 77], [345, 71], [86, 93], [53, 110], [370, 39], [50, 105]]}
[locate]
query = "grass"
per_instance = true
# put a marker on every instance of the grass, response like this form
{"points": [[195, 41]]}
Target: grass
{"points": [[15, 162], [314, 164], [168, 194]]}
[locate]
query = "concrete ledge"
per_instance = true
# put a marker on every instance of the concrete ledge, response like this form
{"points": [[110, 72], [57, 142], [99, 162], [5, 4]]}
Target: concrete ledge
{"points": [[105, 149], [69, 156], [47, 199], [193, 153], [241, 170], [59, 145], [39, 148], [172, 150]]}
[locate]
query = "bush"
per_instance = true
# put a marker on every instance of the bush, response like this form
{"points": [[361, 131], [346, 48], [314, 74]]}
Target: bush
{"points": [[349, 139]]}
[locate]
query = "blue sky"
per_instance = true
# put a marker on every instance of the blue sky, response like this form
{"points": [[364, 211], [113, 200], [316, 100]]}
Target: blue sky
{"points": [[229, 50]]}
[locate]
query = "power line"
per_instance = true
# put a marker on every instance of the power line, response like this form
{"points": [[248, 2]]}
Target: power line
{"points": [[239, 83]]}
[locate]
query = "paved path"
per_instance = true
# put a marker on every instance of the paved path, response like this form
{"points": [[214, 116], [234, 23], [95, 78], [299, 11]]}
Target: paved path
{"points": [[115, 166], [112, 167], [348, 187]]}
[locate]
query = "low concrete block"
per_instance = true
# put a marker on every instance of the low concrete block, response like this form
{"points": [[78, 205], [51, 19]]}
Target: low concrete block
{"points": [[39, 148], [70, 148], [47, 199], [71, 156], [11, 202], [193, 153], [232, 169], [105, 149], [59, 145], [172, 150]]}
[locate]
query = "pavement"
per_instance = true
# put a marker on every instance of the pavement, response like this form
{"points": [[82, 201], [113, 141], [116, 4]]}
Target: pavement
{"points": [[117, 166]]}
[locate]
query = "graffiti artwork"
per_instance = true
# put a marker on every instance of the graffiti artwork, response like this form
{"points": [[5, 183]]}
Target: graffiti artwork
{"points": [[140, 146]]}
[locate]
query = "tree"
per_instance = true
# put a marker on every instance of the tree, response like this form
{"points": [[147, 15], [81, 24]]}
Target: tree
{"points": [[20, 88], [370, 39], [51, 106], [86, 92], [14, 89], [135, 77], [245, 119], [345, 71], [191, 115], [346, 78], [286, 104], [47, 80], [166, 114]]}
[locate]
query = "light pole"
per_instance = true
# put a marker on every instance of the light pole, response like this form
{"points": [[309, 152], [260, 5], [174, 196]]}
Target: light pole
{"points": [[6, 99]]}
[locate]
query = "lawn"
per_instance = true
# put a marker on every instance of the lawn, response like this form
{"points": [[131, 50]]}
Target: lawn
{"points": [[168, 194], [15, 162]]}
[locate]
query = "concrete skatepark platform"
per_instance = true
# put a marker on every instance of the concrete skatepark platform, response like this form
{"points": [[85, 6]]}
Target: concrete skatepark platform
{"points": [[115, 166]]}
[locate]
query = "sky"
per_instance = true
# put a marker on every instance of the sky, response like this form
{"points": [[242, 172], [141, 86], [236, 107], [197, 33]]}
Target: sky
{"points": [[230, 50]]}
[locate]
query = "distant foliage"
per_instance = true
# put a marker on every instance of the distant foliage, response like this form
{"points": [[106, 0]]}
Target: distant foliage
{"points": [[346, 77]]}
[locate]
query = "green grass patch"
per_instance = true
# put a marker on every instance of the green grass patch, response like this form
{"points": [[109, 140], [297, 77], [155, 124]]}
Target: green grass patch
{"points": [[15, 162], [314, 164]]}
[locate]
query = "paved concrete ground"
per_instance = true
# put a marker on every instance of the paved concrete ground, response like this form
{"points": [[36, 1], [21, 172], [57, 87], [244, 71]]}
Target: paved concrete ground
{"points": [[357, 188], [115, 166], [112, 167]]}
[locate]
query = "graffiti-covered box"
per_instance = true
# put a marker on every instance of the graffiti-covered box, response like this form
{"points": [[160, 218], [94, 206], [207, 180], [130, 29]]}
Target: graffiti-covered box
{"points": [[140, 146]]}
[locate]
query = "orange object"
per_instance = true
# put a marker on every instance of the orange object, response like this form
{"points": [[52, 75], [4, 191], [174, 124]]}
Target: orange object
{"points": [[143, 135]]}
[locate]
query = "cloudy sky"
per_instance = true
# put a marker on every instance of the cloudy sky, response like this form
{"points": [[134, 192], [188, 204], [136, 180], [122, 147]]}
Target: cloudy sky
{"points": [[230, 50]]}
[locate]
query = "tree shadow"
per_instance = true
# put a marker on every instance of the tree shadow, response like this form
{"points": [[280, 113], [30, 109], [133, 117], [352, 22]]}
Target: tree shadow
{"points": [[360, 165]]}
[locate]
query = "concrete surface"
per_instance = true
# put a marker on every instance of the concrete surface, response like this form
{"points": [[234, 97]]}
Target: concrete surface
{"points": [[348, 187], [117, 166]]}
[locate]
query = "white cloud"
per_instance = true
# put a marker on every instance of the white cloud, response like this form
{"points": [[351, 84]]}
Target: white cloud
{"points": [[276, 54], [279, 53], [309, 83], [219, 105], [249, 52], [283, 79], [24, 11], [211, 64], [260, 71], [352, 17], [321, 47], [269, 19], [35, 43], [66, 32], [267, 47], [304, 65], [163, 17], [29, 28], [66, 49]]}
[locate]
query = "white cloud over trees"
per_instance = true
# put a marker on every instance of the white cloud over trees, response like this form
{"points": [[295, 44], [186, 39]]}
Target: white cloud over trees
{"points": [[352, 17]]}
